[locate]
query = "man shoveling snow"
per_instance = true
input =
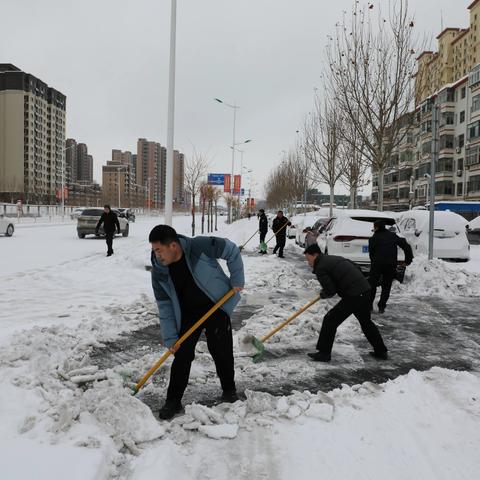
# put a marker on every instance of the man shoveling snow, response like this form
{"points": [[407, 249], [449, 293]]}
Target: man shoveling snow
{"points": [[187, 281]]}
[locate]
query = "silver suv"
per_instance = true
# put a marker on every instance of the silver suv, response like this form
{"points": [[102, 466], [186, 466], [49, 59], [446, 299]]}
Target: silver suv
{"points": [[89, 218]]}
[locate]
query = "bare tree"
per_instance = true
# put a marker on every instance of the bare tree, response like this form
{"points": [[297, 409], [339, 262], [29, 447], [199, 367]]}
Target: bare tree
{"points": [[355, 164], [322, 132], [371, 65], [195, 171]]}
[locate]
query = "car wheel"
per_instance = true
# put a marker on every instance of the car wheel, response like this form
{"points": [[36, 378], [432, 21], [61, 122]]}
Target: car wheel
{"points": [[81, 235], [125, 233], [10, 230]]}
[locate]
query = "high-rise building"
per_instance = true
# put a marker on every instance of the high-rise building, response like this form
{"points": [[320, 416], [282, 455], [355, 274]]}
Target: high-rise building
{"points": [[84, 164], [32, 137], [178, 178], [449, 81], [71, 161]]}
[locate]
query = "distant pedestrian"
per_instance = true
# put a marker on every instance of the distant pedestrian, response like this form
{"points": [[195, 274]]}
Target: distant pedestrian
{"points": [[263, 229], [339, 276], [310, 237], [279, 227], [110, 222], [187, 281], [383, 249], [19, 209]]}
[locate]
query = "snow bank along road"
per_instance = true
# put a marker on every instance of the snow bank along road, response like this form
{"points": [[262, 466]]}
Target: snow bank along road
{"points": [[76, 326]]}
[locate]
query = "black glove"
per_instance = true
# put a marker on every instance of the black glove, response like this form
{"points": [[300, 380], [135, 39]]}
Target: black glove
{"points": [[118, 231]]}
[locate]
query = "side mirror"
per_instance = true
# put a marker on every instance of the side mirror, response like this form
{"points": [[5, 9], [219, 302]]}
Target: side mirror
{"points": [[417, 233]]}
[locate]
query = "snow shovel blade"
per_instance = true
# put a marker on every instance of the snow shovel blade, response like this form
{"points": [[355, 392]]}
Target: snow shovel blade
{"points": [[261, 349]]}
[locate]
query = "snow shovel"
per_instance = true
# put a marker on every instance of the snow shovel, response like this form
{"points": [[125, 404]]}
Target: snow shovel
{"points": [[194, 327], [259, 344], [241, 247]]}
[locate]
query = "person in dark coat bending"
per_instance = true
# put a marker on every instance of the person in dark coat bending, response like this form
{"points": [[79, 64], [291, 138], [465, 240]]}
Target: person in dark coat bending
{"points": [[262, 227], [339, 276], [279, 227], [383, 249], [110, 222]]}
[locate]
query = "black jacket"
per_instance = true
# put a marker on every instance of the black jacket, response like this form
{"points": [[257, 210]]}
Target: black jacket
{"points": [[382, 247], [110, 221], [278, 223], [338, 275], [263, 223]]}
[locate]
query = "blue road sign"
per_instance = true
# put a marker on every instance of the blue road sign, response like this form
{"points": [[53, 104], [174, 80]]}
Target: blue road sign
{"points": [[216, 178]]}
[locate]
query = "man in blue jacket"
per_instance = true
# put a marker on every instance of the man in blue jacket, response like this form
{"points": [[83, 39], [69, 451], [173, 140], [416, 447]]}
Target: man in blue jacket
{"points": [[187, 281]]}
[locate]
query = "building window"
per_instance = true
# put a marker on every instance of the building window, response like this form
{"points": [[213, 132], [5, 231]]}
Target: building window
{"points": [[474, 130], [462, 116], [444, 188], [474, 184], [464, 92], [459, 189], [472, 157], [444, 165], [460, 141], [446, 141]]}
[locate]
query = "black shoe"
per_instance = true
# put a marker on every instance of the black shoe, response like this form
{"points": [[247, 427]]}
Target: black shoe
{"points": [[320, 357], [229, 396], [281, 256], [170, 409], [109, 254], [379, 355]]}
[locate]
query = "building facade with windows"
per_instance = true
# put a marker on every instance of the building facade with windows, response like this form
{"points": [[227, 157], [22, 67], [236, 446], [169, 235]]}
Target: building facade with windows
{"points": [[32, 137], [448, 80]]}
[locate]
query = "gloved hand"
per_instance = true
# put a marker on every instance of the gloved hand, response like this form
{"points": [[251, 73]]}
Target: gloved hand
{"points": [[118, 231]]}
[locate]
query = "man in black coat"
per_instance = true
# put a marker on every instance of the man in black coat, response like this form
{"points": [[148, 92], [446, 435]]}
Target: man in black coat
{"points": [[383, 249], [339, 276], [110, 221], [279, 227], [262, 227]]}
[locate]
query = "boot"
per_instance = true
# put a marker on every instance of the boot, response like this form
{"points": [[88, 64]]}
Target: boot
{"points": [[229, 396], [170, 409], [320, 357], [379, 355]]}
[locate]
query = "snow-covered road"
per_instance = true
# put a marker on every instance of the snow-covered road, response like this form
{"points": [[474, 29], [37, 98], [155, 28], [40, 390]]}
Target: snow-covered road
{"points": [[68, 313]]}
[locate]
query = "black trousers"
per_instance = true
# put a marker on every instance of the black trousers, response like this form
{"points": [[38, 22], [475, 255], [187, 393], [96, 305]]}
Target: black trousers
{"points": [[360, 307], [218, 330], [281, 240], [381, 275], [109, 239], [262, 236]]}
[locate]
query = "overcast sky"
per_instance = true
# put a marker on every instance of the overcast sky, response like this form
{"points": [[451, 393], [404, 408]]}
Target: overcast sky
{"points": [[110, 58]]}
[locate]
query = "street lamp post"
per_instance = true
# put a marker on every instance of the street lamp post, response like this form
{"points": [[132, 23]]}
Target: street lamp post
{"points": [[241, 171], [171, 116], [235, 107]]}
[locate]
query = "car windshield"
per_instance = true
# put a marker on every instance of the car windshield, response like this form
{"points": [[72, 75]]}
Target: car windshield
{"points": [[92, 212]]}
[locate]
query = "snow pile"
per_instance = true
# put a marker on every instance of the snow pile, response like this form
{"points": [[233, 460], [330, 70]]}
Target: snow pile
{"points": [[436, 277]]}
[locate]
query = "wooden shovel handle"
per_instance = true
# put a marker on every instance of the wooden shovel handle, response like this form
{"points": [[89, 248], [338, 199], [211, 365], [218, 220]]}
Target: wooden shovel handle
{"points": [[194, 327]]}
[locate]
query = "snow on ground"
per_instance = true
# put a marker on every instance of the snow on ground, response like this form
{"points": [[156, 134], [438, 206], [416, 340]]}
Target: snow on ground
{"points": [[62, 298]]}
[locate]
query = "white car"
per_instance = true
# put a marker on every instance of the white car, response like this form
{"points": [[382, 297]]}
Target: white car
{"points": [[6, 226], [76, 213], [450, 240], [348, 232]]}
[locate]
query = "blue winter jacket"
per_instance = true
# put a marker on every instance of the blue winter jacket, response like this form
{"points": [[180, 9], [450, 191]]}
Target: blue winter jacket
{"points": [[201, 255]]}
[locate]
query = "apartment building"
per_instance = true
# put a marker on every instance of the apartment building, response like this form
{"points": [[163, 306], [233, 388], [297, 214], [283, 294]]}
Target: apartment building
{"points": [[448, 80], [32, 137]]}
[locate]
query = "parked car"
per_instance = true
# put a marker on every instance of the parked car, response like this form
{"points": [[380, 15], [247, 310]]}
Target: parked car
{"points": [[473, 231], [317, 228], [127, 213], [348, 232], [6, 226], [76, 213], [450, 240], [87, 222]]}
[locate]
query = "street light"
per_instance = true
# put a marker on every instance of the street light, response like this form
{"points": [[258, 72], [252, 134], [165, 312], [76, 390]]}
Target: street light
{"points": [[235, 107], [241, 171], [171, 117]]}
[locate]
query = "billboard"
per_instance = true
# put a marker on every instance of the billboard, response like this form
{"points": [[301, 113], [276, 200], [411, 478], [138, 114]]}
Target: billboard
{"points": [[216, 178]]}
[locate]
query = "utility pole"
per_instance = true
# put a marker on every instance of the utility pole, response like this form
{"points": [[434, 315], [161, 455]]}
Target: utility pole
{"points": [[432, 178]]}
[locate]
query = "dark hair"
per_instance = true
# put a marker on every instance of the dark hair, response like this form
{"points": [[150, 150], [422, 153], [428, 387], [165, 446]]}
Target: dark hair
{"points": [[163, 234], [107, 206], [312, 250], [380, 224], [262, 210], [280, 211]]}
